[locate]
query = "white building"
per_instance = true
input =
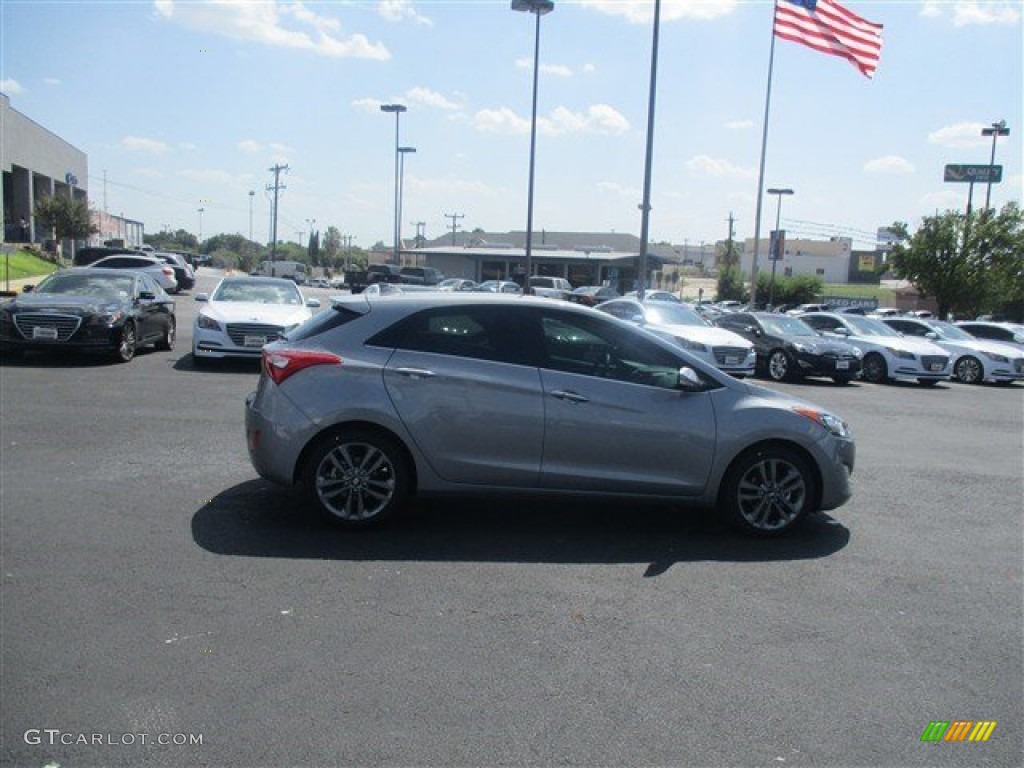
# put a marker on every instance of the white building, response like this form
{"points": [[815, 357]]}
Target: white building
{"points": [[827, 259]]}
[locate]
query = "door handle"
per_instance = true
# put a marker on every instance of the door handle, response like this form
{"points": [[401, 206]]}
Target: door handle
{"points": [[415, 373], [572, 397]]}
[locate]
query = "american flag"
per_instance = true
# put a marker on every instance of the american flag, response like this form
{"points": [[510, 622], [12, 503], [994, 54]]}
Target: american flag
{"points": [[828, 27]]}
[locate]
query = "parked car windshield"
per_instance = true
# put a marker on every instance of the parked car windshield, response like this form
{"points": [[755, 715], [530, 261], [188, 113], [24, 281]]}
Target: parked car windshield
{"points": [[110, 287], [950, 332], [785, 325], [868, 326], [664, 313], [257, 291]]}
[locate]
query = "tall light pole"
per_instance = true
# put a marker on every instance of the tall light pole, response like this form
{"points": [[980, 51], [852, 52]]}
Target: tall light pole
{"points": [[538, 8], [252, 194], [776, 251], [402, 152], [995, 131], [397, 109], [645, 206], [201, 225]]}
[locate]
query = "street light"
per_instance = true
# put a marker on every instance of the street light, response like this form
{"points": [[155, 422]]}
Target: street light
{"points": [[776, 254], [538, 8], [402, 152], [252, 194], [997, 130], [398, 109]]}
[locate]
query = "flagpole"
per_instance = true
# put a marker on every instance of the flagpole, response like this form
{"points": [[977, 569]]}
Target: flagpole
{"points": [[760, 173]]}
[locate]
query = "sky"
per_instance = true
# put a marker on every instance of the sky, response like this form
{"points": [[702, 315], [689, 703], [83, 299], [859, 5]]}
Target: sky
{"points": [[187, 105]]}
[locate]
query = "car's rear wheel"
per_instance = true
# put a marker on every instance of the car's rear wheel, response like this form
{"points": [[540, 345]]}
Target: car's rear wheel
{"points": [[780, 366], [357, 478], [166, 342], [968, 370], [842, 380], [874, 368], [768, 490], [127, 345]]}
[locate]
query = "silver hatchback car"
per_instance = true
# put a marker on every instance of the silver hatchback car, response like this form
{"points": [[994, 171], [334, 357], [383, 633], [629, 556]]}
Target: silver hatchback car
{"points": [[371, 402]]}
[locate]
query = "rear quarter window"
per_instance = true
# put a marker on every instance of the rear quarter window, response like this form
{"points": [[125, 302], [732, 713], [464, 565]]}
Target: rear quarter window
{"points": [[332, 318]]}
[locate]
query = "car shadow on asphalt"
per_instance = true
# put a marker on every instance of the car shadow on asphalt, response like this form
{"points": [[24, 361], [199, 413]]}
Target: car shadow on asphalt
{"points": [[68, 358], [258, 519], [228, 365]]}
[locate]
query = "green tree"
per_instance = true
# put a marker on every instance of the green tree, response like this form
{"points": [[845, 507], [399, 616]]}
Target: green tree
{"points": [[730, 286], [331, 247], [67, 218], [969, 265]]}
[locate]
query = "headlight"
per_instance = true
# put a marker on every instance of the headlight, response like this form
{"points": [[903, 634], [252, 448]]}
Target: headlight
{"points": [[693, 346], [207, 323], [833, 424], [902, 354], [107, 318], [858, 351], [997, 358]]}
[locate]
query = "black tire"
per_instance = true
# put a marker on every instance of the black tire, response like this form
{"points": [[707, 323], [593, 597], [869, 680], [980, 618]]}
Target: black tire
{"points": [[127, 345], [874, 368], [166, 342], [969, 370], [357, 478], [928, 382], [780, 366], [768, 490], [842, 380]]}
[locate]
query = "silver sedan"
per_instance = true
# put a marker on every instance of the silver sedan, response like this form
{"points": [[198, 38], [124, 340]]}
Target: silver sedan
{"points": [[371, 402]]}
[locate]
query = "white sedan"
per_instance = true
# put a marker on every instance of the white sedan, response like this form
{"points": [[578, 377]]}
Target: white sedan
{"points": [[887, 355], [244, 313], [682, 325], [974, 360]]}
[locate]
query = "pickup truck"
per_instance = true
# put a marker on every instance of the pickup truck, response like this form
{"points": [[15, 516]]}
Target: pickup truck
{"points": [[357, 280], [551, 287]]}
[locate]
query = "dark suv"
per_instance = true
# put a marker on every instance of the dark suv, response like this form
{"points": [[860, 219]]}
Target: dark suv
{"points": [[421, 275], [86, 256]]}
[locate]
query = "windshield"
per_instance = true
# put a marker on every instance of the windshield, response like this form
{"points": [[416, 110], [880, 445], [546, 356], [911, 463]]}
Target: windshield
{"points": [[784, 325], [663, 313], [257, 292], [950, 331], [869, 326], [105, 287]]}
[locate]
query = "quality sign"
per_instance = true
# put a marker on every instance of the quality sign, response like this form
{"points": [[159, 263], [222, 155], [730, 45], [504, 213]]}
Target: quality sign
{"points": [[982, 174]]}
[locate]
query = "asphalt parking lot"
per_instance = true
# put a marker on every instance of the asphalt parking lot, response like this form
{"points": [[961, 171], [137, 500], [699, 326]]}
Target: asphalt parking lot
{"points": [[155, 590]]}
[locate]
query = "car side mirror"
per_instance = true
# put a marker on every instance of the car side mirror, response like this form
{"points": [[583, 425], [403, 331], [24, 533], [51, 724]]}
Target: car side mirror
{"points": [[931, 335], [202, 297], [637, 318], [689, 381], [147, 295], [27, 288], [313, 303], [841, 331]]}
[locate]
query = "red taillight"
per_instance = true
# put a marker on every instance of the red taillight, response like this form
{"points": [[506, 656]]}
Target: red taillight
{"points": [[168, 271], [279, 364]]}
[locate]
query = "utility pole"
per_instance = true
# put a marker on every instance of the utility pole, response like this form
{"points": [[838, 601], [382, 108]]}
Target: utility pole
{"points": [[455, 222], [729, 245], [277, 187]]}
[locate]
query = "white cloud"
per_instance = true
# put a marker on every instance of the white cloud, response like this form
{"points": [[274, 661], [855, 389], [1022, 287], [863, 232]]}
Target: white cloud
{"points": [[249, 146], [11, 86], [559, 70], [704, 165], [739, 124], [599, 119], [51, 81], [671, 10], [614, 188], [946, 200], [973, 12], [400, 10], [210, 176], [889, 164], [367, 105], [429, 98], [959, 136], [141, 144], [268, 23]]}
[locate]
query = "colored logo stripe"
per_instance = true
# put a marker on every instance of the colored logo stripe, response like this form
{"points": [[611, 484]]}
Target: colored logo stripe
{"points": [[958, 730]]}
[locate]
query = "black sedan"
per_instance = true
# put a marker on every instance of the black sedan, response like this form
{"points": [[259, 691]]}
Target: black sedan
{"points": [[592, 295], [788, 348], [86, 308]]}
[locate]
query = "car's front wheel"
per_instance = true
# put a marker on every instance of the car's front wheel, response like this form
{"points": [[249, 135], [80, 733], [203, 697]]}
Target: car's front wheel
{"points": [[968, 370], [127, 344], [356, 478], [768, 490], [874, 368], [780, 367]]}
